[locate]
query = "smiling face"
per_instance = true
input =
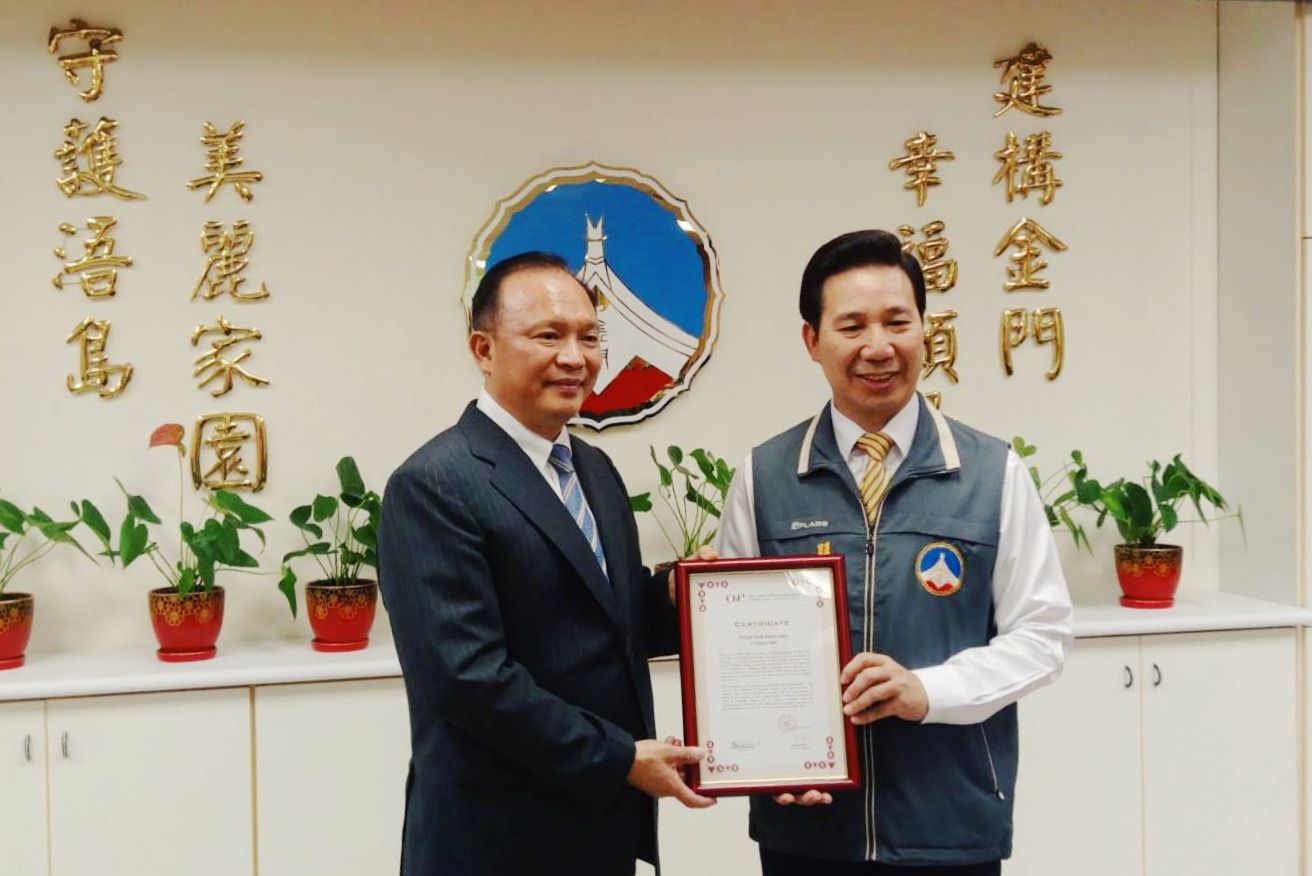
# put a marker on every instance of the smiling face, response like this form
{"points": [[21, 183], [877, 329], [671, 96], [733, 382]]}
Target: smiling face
{"points": [[542, 351], [870, 342]]}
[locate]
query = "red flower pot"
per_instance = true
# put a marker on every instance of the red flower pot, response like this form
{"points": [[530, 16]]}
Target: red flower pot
{"points": [[1148, 574], [341, 615], [15, 628], [186, 626]]}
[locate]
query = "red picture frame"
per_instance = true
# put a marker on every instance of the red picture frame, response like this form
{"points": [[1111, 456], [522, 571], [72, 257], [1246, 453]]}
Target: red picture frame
{"points": [[688, 675]]}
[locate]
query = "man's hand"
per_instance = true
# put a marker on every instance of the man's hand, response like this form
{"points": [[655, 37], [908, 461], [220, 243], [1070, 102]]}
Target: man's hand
{"points": [[810, 798], [705, 552], [877, 686], [655, 771]]}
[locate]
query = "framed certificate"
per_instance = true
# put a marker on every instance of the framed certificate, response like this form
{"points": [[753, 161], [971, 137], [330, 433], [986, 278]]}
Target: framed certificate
{"points": [[764, 643]]}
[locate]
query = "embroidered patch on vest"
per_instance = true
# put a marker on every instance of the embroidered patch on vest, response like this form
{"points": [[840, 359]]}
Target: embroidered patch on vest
{"points": [[824, 548], [941, 568]]}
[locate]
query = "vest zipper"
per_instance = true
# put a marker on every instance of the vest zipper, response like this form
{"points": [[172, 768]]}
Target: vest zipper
{"points": [[988, 751], [872, 527]]}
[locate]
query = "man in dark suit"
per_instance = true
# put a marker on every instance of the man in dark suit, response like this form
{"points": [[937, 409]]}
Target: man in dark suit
{"points": [[522, 613]]}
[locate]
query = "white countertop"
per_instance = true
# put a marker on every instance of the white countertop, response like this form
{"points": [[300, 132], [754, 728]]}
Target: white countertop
{"points": [[135, 669], [1192, 613]]}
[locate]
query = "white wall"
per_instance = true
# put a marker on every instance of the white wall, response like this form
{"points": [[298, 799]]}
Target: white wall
{"points": [[388, 130]]}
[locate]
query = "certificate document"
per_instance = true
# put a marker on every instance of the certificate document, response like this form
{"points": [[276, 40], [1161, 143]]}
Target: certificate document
{"points": [[764, 644]]}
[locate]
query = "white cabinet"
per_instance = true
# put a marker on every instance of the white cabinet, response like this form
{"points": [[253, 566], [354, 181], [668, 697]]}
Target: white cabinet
{"points": [[331, 762], [1079, 788], [1220, 745], [23, 840], [1160, 755], [151, 784]]}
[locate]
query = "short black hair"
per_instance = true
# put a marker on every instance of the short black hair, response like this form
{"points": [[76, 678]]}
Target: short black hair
{"points": [[487, 297], [856, 249]]}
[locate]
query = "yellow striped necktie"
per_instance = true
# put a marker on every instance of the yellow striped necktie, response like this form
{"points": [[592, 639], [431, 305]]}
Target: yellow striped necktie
{"points": [[874, 483]]}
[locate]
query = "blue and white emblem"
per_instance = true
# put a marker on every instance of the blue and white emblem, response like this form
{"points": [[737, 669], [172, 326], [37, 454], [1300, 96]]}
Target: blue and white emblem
{"points": [[650, 263], [940, 568]]}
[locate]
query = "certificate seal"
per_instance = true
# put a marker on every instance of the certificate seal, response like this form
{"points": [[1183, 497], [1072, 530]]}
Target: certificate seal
{"points": [[786, 723]]}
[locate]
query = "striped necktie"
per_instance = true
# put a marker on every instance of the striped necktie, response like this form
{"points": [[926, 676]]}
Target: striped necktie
{"points": [[874, 483], [572, 495]]}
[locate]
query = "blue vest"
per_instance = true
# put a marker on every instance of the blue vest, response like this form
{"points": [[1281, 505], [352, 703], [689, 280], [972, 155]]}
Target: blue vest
{"points": [[933, 794]]}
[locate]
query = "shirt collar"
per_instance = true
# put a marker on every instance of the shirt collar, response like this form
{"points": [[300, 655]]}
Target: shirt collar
{"points": [[901, 428], [537, 448]]}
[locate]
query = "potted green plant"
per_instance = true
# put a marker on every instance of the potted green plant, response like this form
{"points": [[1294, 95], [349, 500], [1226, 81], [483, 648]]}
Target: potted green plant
{"points": [[1143, 510], [693, 499], [25, 538], [187, 613], [341, 535]]}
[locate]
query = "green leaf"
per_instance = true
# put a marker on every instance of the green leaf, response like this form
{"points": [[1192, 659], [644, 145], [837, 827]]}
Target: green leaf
{"points": [[367, 535], [1034, 476], [186, 581], [232, 504], [1023, 450], [132, 538], [667, 479], [4, 537], [205, 569], [675, 454], [640, 502], [324, 507], [287, 584], [141, 509], [703, 463], [1169, 517], [243, 560], [95, 521], [300, 517], [701, 502], [11, 517], [348, 475]]}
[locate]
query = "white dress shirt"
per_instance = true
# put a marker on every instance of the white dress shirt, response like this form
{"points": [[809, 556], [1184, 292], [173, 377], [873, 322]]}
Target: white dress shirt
{"points": [[537, 448], [1031, 605]]}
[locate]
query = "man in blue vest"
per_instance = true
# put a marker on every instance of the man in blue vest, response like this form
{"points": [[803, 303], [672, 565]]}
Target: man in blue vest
{"points": [[957, 602]]}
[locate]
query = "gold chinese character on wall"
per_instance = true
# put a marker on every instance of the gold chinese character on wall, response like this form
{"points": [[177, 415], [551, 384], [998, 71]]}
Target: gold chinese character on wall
{"points": [[1027, 236], [1023, 75], [921, 164], [215, 366], [96, 374], [935, 399], [98, 53], [1028, 168], [941, 344], [97, 270], [940, 272], [1045, 326], [222, 162], [89, 160], [224, 438], [226, 254]]}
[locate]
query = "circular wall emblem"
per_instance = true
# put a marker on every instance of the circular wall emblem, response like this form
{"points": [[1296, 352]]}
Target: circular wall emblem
{"points": [[940, 568], [650, 262]]}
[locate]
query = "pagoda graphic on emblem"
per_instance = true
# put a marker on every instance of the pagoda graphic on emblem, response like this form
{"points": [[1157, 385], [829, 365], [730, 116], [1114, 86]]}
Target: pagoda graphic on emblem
{"points": [[651, 265]]}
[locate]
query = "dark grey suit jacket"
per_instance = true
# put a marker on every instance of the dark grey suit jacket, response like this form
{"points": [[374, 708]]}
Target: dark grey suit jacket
{"points": [[525, 668]]}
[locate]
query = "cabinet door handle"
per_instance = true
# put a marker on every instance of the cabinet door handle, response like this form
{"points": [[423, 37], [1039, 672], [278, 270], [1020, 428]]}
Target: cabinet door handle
{"points": [[1157, 675], [1129, 678], [63, 744], [27, 747]]}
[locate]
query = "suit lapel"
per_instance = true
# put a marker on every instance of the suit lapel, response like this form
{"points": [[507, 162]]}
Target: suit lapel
{"points": [[514, 476]]}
